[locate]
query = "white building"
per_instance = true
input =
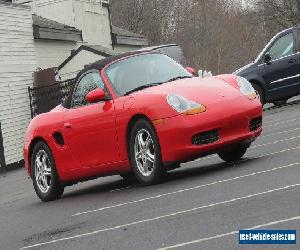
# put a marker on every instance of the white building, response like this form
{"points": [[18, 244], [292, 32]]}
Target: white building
{"points": [[64, 34], [62, 26], [18, 61]]}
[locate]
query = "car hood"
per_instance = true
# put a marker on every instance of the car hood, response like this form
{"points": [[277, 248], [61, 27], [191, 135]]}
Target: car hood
{"points": [[203, 90]]}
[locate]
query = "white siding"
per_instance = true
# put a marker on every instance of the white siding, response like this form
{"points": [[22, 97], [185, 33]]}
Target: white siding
{"points": [[18, 61], [70, 70], [52, 53], [88, 16]]}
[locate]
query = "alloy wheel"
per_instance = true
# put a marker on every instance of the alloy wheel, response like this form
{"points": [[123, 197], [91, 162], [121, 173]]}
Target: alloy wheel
{"points": [[43, 172], [144, 152]]}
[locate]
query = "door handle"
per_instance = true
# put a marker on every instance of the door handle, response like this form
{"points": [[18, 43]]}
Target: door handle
{"points": [[292, 60], [67, 125]]}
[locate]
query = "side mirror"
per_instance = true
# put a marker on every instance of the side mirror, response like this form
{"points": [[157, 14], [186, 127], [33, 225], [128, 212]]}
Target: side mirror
{"points": [[96, 95], [268, 58], [191, 70]]}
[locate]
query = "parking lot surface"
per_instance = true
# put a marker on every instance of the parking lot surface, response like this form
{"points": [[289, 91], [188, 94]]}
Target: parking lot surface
{"points": [[200, 206]]}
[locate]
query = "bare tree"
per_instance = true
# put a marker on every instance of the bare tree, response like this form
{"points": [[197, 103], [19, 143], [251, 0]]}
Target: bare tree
{"points": [[219, 35], [285, 13]]}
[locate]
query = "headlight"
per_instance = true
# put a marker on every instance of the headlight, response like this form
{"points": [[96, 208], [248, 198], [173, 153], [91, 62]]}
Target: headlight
{"points": [[246, 87], [184, 106]]}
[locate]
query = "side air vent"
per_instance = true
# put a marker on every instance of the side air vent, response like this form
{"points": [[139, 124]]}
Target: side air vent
{"points": [[255, 124], [58, 137], [206, 137]]}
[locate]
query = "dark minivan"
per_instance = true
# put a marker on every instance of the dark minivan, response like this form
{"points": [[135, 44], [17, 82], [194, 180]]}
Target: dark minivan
{"points": [[275, 74]]}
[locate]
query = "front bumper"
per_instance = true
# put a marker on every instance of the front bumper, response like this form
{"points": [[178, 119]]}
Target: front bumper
{"points": [[231, 121]]}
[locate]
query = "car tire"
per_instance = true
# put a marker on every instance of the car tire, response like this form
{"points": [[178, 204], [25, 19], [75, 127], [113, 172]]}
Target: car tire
{"points": [[259, 92], [280, 103], [46, 182], [234, 154], [145, 154]]}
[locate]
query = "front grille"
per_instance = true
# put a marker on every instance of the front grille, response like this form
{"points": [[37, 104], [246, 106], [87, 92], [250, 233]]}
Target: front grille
{"points": [[255, 124], [206, 137]]}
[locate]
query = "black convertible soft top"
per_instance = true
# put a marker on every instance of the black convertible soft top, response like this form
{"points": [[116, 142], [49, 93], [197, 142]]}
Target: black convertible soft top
{"points": [[99, 65]]}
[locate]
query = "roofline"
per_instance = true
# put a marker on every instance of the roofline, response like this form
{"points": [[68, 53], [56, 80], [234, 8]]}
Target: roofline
{"points": [[22, 6], [45, 33], [82, 47], [129, 40]]}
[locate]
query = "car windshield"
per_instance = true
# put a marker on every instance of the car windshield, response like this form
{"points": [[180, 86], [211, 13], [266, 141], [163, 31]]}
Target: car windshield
{"points": [[142, 71]]}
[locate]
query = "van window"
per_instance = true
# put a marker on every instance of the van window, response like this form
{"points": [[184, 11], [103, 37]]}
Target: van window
{"points": [[283, 47]]}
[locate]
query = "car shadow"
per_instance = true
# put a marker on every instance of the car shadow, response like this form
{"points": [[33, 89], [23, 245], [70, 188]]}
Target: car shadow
{"points": [[100, 187], [174, 176], [208, 169]]}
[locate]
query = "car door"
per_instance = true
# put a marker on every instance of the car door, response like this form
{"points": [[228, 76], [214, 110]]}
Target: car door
{"points": [[281, 74], [90, 130]]}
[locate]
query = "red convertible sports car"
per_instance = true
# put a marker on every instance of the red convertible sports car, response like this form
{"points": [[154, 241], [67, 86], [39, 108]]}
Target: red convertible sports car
{"points": [[139, 114]]}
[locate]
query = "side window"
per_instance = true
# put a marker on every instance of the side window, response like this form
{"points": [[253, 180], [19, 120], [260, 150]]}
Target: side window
{"points": [[284, 46], [87, 83]]}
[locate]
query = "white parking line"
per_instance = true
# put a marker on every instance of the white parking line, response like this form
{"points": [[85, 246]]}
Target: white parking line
{"points": [[275, 142], [282, 122], [278, 152], [161, 217], [273, 223], [278, 133], [179, 191], [185, 190], [270, 121], [214, 156]]}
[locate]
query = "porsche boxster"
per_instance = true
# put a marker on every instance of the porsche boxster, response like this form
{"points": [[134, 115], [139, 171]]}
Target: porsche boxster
{"points": [[139, 115]]}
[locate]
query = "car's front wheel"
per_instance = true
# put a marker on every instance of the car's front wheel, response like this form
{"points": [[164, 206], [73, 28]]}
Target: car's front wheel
{"points": [[44, 176], [234, 154], [145, 153]]}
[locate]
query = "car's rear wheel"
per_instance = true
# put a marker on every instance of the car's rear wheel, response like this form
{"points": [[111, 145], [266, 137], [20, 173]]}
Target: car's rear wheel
{"points": [[44, 176], [145, 153], [259, 93], [234, 154]]}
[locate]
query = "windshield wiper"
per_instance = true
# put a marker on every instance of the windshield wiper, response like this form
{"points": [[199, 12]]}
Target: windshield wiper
{"points": [[143, 87], [155, 84], [178, 78]]}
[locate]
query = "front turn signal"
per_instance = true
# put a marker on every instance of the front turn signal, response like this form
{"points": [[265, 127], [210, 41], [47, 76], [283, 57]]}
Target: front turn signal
{"points": [[196, 110]]}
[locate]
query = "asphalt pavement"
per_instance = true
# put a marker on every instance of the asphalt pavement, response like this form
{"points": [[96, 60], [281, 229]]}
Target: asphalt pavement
{"points": [[202, 205]]}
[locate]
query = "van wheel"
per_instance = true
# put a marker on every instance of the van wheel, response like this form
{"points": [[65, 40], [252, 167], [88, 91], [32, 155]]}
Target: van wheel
{"points": [[280, 102], [46, 182]]}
